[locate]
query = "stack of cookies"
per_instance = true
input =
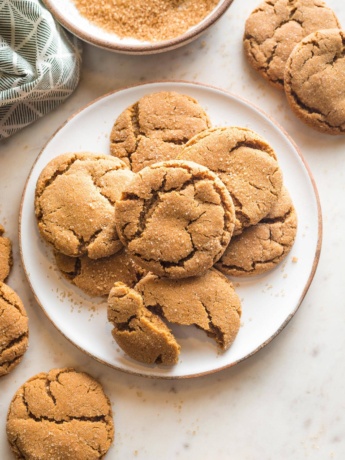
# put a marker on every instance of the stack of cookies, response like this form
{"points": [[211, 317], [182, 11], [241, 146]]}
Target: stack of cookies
{"points": [[298, 46], [157, 225]]}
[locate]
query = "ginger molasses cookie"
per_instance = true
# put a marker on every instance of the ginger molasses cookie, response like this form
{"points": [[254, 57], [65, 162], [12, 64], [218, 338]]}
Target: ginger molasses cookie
{"points": [[262, 247], [141, 334], [155, 128], [276, 26], [315, 81], [97, 277], [13, 329], [5, 255], [62, 414], [208, 302], [75, 201], [245, 163], [176, 218]]}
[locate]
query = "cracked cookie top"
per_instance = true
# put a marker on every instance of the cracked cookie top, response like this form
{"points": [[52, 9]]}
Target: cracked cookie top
{"points": [[62, 414], [97, 277], [314, 81], [176, 218], [5, 255], [245, 163], [13, 329], [262, 247], [276, 26], [74, 203], [155, 128]]}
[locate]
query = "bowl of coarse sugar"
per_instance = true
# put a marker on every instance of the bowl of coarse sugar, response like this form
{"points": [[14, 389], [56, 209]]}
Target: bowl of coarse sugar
{"points": [[137, 26]]}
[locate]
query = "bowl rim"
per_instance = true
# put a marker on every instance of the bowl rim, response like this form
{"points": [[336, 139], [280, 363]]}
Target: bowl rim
{"points": [[144, 48]]}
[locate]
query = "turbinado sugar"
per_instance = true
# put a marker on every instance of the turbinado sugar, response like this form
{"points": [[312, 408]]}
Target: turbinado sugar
{"points": [[150, 20]]}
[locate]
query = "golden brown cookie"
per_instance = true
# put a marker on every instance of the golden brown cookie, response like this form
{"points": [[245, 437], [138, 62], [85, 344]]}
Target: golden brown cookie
{"points": [[245, 163], [276, 26], [262, 247], [5, 255], [97, 277], [314, 81], [176, 218], [141, 334], [208, 302], [14, 331], [75, 200], [155, 128], [62, 414]]}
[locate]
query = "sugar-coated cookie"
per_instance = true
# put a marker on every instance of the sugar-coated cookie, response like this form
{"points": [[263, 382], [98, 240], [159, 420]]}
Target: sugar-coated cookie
{"points": [[155, 128], [245, 163], [74, 203], [5, 255], [97, 277], [141, 334], [176, 218], [14, 330], [61, 414], [315, 83], [262, 247], [276, 26]]}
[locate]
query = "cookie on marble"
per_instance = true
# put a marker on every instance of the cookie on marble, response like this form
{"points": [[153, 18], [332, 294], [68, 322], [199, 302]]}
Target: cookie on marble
{"points": [[14, 330], [97, 277], [141, 334], [62, 414], [274, 28], [75, 200], [155, 128], [314, 81], [245, 163], [262, 247], [5, 255], [176, 218], [208, 302]]}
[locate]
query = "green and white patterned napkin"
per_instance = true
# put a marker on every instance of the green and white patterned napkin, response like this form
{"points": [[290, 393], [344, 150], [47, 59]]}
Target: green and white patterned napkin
{"points": [[39, 64]]}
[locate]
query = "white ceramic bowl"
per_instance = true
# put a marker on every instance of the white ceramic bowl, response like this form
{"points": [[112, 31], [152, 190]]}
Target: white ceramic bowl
{"points": [[66, 13]]}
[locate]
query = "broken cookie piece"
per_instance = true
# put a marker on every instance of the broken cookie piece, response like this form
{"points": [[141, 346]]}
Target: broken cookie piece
{"points": [[62, 414], [13, 329], [140, 333], [155, 128], [208, 302], [5, 255], [176, 218], [262, 247]]}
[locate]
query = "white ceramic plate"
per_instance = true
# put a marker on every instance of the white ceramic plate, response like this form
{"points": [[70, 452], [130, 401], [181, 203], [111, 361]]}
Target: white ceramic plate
{"points": [[68, 15], [268, 301]]}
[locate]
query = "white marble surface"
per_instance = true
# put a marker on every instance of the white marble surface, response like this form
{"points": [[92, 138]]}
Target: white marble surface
{"points": [[285, 402]]}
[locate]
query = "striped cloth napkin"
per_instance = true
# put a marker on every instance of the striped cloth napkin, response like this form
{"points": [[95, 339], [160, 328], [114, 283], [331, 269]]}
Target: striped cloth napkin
{"points": [[39, 64]]}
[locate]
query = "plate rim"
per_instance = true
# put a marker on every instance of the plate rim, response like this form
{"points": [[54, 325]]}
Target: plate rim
{"points": [[316, 254], [147, 48]]}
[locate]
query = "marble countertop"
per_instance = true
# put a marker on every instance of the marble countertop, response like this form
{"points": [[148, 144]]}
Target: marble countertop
{"points": [[285, 402]]}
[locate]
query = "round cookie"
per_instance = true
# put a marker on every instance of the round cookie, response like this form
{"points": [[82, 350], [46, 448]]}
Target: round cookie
{"points": [[208, 302], [314, 81], [141, 334], [262, 247], [276, 26], [97, 277], [5, 255], [14, 331], [176, 218], [245, 163], [155, 128], [62, 414], [74, 203]]}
